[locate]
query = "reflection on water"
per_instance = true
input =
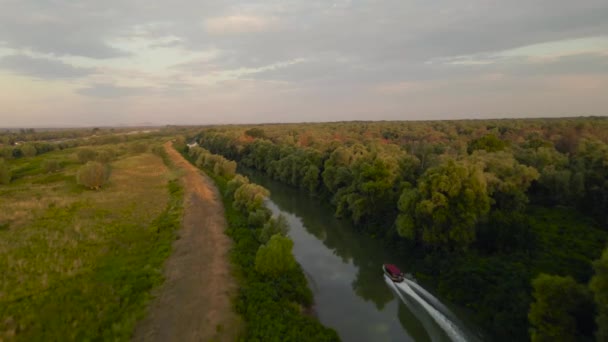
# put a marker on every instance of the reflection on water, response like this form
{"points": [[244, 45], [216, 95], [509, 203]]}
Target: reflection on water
{"points": [[344, 272]]}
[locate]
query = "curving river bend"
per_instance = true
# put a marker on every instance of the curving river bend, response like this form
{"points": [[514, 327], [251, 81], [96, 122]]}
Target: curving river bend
{"points": [[343, 268]]}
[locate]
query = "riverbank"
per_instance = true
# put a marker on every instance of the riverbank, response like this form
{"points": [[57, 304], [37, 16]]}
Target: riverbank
{"points": [[273, 307]]}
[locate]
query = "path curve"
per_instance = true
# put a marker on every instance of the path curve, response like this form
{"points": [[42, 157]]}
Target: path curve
{"points": [[194, 303]]}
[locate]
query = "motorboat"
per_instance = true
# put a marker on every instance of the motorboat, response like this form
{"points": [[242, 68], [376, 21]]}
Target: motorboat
{"points": [[393, 272]]}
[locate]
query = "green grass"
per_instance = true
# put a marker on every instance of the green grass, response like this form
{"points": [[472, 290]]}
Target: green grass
{"points": [[79, 265]]}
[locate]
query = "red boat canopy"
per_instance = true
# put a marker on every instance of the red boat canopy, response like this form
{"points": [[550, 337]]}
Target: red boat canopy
{"points": [[392, 269]]}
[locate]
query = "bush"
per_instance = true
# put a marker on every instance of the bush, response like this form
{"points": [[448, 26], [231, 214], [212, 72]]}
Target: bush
{"points": [[275, 257], [258, 217], [276, 225], [51, 165], [86, 155], [234, 184], [5, 172], [250, 197], [28, 150], [92, 175]]}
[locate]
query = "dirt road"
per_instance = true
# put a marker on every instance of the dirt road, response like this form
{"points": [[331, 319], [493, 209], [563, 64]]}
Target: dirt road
{"points": [[194, 303]]}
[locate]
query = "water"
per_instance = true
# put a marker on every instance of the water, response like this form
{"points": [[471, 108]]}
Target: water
{"points": [[343, 268]]}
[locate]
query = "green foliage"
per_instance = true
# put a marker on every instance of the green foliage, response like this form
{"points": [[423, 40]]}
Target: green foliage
{"points": [[446, 206], [538, 174], [51, 165], [270, 306], [489, 143], [275, 257], [250, 197], [255, 133], [5, 172], [275, 226], [92, 175], [85, 155], [234, 184], [507, 179], [599, 286], [258, 217], [84, 268], [562, 309], [28, 150]]}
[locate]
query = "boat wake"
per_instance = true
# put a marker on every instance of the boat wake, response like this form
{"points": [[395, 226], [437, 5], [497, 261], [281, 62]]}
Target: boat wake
{"points": [[445, 323]]}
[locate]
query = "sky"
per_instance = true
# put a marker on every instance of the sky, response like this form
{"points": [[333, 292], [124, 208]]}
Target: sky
{"points": [[116, 62]]}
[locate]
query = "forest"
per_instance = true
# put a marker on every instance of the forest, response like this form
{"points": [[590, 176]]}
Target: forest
{"points": [[508, 218]]}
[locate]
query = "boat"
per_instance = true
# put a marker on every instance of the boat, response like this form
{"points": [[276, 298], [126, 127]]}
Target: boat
{"points": [[393, 272]]}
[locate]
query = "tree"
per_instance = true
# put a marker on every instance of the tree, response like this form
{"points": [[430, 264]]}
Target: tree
{"points": [[92, 175], [599, 287], [507, 179], [235, 183], [256, 133], [28, 150], [311, 179], [445, 207], [490, 143], [561, 311], [276, 225], [250, 197], [5, 172], [275, 257]]}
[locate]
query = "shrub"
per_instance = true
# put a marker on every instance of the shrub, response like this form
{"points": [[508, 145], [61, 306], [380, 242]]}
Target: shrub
{"points": [[86, 155], [250, 197], [276, 225], [275, 258], [234, 184], [51, 165], [5, 172], [225, 168], [258, 217], [92, 175], [28, 150]]}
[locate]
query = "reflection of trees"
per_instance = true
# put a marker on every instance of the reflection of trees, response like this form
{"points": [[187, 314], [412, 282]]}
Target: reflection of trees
{"points": [[367, 286], [337, 235]]}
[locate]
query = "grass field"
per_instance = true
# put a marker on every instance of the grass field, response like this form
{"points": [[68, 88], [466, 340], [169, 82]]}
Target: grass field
{"points": [[77, 264]]}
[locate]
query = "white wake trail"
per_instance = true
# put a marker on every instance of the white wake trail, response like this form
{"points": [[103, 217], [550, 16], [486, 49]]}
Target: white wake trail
{"points": [[429, 298], [419, 312], [452, 331]]}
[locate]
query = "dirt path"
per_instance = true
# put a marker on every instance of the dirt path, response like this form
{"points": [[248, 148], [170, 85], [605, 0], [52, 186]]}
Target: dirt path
{"points": [[194, 303]]}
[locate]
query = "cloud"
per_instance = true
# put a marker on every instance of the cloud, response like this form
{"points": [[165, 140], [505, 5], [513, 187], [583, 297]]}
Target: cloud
{"points": [[42, 67], [238, 24], [109, 91], [307, 59]]}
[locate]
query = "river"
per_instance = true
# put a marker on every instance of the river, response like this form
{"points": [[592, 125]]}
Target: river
{"points": [[343, 268]]}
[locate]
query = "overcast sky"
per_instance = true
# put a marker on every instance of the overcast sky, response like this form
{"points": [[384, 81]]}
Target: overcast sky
{"points": [[92, 62]]}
